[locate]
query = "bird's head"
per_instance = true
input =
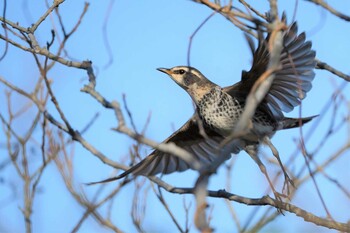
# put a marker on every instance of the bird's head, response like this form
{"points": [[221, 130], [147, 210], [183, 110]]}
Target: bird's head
{"points": [[191, 80]]}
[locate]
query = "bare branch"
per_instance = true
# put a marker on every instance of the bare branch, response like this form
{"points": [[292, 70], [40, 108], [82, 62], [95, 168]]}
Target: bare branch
{"points": [[329, 8]]}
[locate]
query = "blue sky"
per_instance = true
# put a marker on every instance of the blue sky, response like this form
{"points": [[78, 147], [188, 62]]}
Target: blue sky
{"points": [[145, 35]]}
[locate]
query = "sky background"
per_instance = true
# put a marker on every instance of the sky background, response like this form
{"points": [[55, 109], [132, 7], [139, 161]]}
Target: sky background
{"points": [[143, 36]]}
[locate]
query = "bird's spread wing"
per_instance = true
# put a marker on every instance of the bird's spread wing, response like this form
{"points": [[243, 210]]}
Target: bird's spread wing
{"points": [[188, 137], [291, 82]]}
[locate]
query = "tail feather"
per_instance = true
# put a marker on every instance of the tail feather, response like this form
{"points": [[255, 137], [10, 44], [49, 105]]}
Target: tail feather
{"points": [[288, 123]]}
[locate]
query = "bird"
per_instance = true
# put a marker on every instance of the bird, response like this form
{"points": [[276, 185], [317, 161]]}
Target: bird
{"points": [[218, 109]]}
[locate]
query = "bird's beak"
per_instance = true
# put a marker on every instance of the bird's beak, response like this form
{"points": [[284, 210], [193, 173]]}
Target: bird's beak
{"points": [[164, 70]]}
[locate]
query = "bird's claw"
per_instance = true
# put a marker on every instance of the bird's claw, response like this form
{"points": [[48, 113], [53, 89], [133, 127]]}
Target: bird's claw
{"points": [[287, 181], [278, 200]]}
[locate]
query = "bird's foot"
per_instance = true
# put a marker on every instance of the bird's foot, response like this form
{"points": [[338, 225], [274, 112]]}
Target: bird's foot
{"points": [[286, 186], [278, 200]]}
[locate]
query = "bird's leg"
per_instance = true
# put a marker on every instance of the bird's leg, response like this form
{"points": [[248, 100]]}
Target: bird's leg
{"points": [[287, 179], [253, 154]]}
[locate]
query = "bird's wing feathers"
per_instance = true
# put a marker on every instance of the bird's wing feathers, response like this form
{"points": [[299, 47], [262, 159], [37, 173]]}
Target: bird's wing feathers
{"points": [[188, 137], [291, 82]]}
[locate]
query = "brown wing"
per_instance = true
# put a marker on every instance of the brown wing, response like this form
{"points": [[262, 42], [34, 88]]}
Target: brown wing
{"points": [[188, 137], [291, 82]]}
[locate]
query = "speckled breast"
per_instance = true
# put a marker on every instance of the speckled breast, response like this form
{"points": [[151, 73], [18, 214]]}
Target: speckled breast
{"points": [[219, 110]]}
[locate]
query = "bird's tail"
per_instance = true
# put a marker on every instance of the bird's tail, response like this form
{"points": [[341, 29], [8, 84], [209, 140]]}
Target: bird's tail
{"points": [[288, 123]]}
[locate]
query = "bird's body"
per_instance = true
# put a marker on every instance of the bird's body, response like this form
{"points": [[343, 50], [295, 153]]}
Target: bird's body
{"points": [[221, 112], [218, 110]]}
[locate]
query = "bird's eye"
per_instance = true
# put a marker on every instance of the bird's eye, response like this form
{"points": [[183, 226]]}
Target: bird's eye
{"points": [[180, 71]]}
